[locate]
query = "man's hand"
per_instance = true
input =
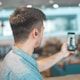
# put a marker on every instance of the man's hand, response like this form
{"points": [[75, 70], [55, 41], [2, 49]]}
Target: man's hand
{"points": [[64, 50]]}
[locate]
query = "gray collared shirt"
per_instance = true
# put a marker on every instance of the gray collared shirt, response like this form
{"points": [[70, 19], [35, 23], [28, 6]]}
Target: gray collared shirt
{"points": [[18, 65]]}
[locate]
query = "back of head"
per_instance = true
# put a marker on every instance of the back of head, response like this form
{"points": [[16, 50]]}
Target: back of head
{"points": [[24, 20]]}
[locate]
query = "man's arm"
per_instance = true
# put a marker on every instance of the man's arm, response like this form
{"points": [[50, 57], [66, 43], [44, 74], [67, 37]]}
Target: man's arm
{"points": [[48, 62]]}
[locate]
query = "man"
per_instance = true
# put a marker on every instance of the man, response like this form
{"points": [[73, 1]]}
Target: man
{"points": [[19, 64]]}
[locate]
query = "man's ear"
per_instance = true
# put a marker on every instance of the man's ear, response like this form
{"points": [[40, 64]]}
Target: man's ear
{"points": [[35, 33]]}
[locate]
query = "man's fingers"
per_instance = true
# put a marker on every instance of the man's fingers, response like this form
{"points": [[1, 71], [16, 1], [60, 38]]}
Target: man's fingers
{"points": [[72, 52]]}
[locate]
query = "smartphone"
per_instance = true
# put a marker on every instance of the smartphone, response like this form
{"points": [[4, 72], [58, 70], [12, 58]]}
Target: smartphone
{"points": [[71, 41]]}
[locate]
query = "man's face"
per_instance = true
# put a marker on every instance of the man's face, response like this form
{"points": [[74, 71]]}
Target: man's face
{"points": [[40, 35]]}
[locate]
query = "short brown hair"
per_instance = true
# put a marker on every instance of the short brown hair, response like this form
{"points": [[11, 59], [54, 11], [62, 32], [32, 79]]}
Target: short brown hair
{"points": [[24, 20]]}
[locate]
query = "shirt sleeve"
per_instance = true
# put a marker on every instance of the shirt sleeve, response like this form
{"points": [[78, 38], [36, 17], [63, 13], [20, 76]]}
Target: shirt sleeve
{"points": [[24, 76], [30, 77]]}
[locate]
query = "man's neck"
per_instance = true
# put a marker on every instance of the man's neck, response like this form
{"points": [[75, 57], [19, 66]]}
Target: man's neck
{"points": [[26, 48]]}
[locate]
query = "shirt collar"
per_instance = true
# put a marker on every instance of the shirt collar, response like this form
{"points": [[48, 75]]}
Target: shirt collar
{"points": [[25, 56]]}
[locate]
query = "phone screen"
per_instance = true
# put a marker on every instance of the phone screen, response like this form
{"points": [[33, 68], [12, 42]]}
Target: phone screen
{"points": [[71, 41]]}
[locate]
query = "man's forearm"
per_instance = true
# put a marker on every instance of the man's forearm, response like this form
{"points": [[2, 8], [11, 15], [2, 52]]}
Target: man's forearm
{"points": [[46, 63]]}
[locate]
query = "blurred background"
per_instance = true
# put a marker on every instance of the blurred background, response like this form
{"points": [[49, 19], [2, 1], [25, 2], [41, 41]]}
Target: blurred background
{"points": [[63, 16]]}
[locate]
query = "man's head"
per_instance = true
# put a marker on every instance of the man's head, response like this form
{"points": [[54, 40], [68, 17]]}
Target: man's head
{"points": [[27, 23]]}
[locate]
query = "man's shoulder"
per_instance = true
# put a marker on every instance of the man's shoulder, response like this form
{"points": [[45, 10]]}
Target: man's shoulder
{"points": [[14, 63], [11, 58], [16, 67]]}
